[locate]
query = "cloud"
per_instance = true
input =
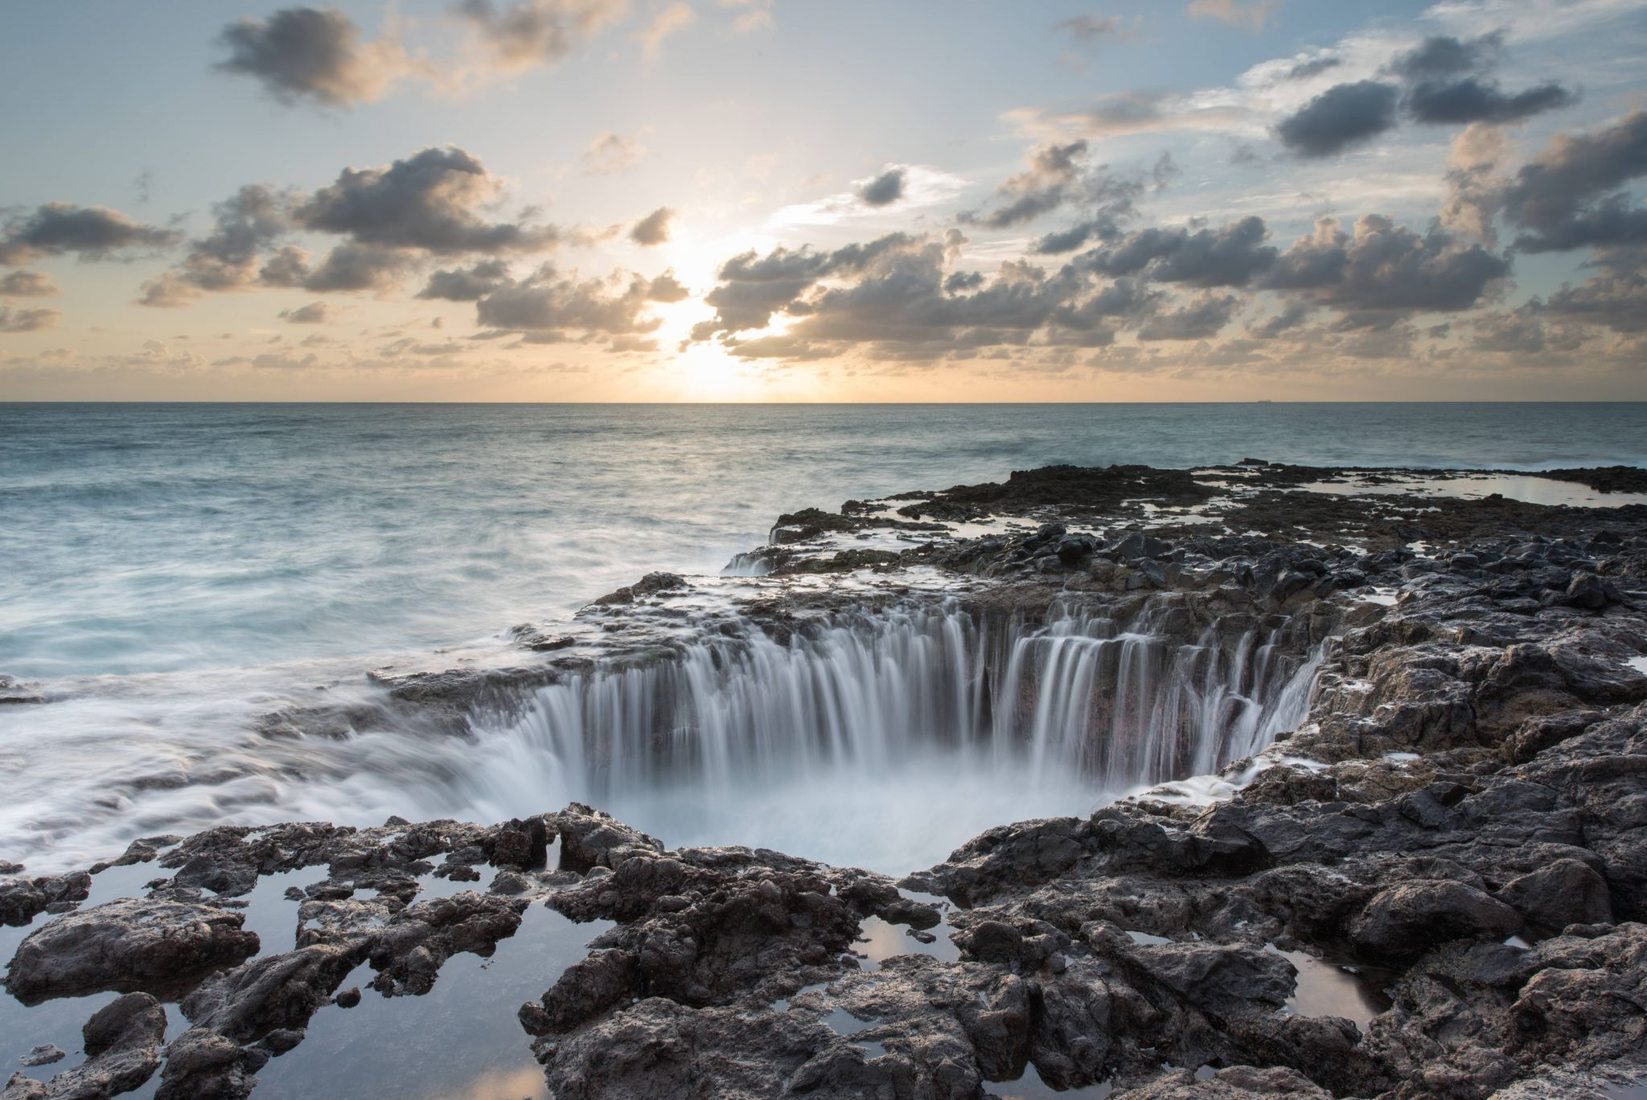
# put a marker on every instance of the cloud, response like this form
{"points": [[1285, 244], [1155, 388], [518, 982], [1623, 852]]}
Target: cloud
{"points": [[1200, 319], [1441, 56], [228, 258], [1447, 83], [1344, 115], [27, 320], [670, 20], [1385, 267], [899, 298], [884, 189], [531, 32], [1126, 113], [667, 288], [1615, 300], [428, 201], [654, 228], [282, 361], [1231, 256], [1291, 316], [1313, 66], [1473, 184], [1251, 16], [392, 221], [611, 153], [1091, 31], [549, 305], [1471, 100], [309, 54], [89, 232], [754, 287], [1109, 199], [1565, 197], [1048, 182], [352, 266], [315, 313], [467, 284], [27, 284]]}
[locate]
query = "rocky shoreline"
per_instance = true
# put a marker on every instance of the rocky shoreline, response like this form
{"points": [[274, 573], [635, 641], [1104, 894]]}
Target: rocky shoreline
{"points": [[1431, 887]]}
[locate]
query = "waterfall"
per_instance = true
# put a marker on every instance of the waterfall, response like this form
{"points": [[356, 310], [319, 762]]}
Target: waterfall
{"points": [[1075, 695]]}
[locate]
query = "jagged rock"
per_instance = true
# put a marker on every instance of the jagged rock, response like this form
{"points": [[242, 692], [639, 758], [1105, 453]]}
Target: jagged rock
{"points": [[122, 1044], [43, 1055], [649, 585], [1407, 920], [127, 945], [21, 900], [1562, 893]]}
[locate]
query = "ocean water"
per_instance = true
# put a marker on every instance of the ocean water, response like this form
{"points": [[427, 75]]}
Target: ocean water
{"points": [[171, 571]]}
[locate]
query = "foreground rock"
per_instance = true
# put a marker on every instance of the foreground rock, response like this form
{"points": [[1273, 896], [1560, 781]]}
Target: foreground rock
{"points": [[1451, 848]]}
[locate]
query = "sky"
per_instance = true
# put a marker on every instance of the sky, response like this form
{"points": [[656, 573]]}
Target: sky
{"points": [[794, 200]]}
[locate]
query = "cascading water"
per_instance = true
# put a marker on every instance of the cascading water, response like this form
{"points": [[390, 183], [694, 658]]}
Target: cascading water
{"points": [[931, 719]]}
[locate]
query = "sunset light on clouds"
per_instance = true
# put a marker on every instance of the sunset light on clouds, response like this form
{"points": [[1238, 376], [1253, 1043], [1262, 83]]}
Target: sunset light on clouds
{"points": [[581, 200]]}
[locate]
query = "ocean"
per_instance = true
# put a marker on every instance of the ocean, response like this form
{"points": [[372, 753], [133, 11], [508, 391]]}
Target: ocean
{"points": [[168, 572]]}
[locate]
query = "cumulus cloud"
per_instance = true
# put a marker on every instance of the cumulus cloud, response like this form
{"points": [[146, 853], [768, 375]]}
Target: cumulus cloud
{"points": [[1449, 84], [27, 320], [1049, 181], [1108, 199], [89, 232], [1252, 15], [549, 305], [1341, 117], [429, 201], [230, 256], [884, 189], [1231, 256], [27, 284], [1470, 100], [1443, 55], [315, 313], [1567, 197], [352, 266], [654, 228], [531, 32], [310, 54], [1614, 299], [1200, 319], [1473, 183], [754, 287], [900, 298], [391, 221], [467, 284], [1383, 267], [667, 288]]}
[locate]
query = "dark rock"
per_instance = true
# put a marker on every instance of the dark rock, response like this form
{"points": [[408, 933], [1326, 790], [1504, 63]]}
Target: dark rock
{"points": [[127, 945], [1562, 893], [649, 585], [43, 1055], [1591, 592], [1406, 920]]}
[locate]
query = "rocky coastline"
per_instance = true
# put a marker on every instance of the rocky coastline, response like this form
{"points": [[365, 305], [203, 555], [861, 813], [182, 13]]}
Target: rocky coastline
{"points": [[1435, 885]]}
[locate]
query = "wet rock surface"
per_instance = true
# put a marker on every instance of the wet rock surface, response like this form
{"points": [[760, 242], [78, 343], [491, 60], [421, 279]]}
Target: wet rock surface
{"points": [[1458, 827]]}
